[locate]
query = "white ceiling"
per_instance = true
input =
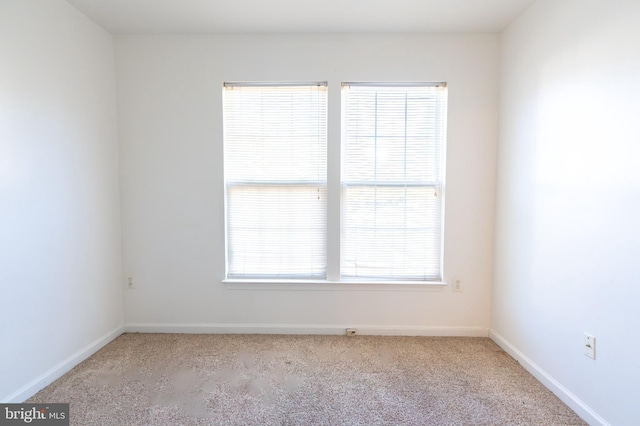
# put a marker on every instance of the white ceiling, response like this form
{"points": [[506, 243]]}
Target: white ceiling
{"points": [[300, 16]]}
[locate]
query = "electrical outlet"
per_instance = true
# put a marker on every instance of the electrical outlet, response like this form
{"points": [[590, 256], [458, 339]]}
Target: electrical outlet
{"points": [[589, 346], [350, 332], [457, 284], [130, 283]]}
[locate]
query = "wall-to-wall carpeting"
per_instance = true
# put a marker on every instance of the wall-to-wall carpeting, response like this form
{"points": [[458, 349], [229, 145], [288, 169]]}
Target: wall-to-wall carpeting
{"points": [[184, 379]]}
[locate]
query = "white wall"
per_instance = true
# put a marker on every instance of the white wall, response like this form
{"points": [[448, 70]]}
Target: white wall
{"points": [[170, 117], [60, 265], [568, 200]]}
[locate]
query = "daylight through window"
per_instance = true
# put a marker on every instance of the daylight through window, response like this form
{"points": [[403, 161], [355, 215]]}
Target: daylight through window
{"points": [[389, 221], [275, 165], [392, 181]]}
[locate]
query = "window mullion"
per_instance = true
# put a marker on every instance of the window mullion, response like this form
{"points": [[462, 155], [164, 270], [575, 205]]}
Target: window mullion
{"points": [[334, 154]]}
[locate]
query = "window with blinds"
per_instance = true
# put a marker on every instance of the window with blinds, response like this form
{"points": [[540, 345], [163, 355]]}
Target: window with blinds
{"points": [[392, 181], [275, 167]]}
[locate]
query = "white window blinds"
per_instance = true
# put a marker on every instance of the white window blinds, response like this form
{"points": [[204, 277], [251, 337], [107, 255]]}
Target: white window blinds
{"points": [[275, 141], [392, 181]]}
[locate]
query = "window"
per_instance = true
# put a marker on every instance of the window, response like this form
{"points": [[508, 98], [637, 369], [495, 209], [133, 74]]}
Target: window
{"points": [[391, 190], [392, 173], [275, 138]]}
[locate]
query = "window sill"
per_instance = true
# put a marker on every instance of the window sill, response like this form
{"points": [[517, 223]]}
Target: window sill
{"points": [[326, 285]]}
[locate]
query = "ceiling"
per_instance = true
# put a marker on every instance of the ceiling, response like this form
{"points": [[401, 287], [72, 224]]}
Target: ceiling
{"points": [[300, 16]]}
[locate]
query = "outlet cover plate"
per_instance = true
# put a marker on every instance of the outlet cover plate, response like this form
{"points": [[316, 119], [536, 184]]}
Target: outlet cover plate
{"points": [[589, 346], [457, 284]]}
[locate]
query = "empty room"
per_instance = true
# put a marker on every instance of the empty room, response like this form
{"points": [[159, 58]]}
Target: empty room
{"points": [[332, 212]]}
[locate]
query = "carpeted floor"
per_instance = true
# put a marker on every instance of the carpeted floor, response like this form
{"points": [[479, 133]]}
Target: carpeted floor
{"points": [[178, 379]]}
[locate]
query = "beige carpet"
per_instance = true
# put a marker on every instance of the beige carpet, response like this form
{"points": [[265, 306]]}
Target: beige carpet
{"points": [[174, 379]]}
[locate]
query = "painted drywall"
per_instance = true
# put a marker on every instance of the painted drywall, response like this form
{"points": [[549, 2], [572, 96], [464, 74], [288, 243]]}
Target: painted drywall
{"points": [[568, 199], [171, 145], [60, 259]]}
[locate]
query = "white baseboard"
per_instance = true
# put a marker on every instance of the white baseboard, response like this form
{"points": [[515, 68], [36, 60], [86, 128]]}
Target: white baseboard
{"points": [[582, 409], [62, 368], [363, 330]]}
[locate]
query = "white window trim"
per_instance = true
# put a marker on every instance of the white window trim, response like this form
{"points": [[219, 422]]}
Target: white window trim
{"points": [[439, 185], [333, 281], [327, 285], [259, 181]]}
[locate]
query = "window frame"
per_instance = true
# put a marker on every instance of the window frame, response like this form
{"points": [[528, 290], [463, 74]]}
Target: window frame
{"points": [[333, 279], [437, 183], [231, 184]]}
